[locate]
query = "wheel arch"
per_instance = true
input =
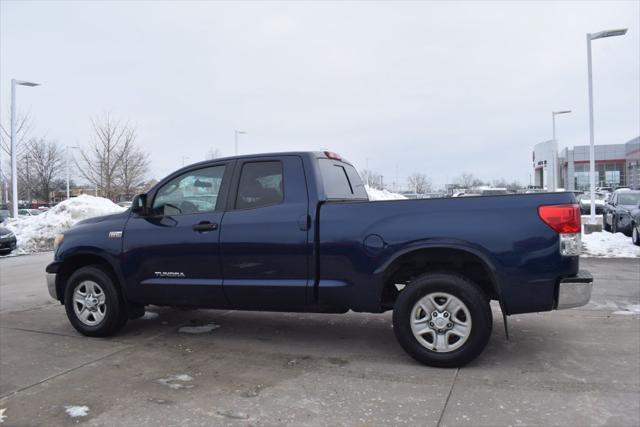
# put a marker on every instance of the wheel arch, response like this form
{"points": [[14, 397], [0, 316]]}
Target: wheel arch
{"points": [[457, 258], [83, 259]]}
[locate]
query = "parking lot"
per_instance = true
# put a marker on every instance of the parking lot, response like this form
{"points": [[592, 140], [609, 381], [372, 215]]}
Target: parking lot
{"points": [[574, 367]]}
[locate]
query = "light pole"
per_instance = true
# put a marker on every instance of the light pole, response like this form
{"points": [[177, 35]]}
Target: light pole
{"points": [[592, 154], [14, 164], [553, 119], [235, 138], [69, 155]]}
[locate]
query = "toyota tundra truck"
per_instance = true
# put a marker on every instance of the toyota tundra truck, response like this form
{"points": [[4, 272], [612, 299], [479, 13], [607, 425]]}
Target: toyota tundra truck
{"points": [[296, 232]]}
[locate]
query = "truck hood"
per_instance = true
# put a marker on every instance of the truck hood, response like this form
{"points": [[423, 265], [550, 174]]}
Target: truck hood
{"points": [[111, 218]]}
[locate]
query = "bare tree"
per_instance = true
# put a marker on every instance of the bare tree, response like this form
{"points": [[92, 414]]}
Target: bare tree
{"points": [[23, 129], [100, 164], [419, 183], [510, 186], [213, 153], [468, 180], [43, 163], [132, 169], [372, 179]]}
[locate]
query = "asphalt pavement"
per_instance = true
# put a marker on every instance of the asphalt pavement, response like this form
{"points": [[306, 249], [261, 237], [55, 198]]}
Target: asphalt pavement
{"points": [[574, 367]]}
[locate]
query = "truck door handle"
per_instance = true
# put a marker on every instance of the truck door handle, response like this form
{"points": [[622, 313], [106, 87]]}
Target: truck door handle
{"points": [[205, 226]]}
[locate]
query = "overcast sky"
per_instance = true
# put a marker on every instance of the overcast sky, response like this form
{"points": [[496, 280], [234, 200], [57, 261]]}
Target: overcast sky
{"points": [[439, 88]]}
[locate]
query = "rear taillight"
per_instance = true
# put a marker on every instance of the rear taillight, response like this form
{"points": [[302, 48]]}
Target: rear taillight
{"points": [[564, 219]]}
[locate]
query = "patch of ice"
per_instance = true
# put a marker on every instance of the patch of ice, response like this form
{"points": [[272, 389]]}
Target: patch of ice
{"points": [[198, 329], [172, 384], [77, 411], [608, 245], [148, 315], [629, 310], [375, 194], [36, 233]]}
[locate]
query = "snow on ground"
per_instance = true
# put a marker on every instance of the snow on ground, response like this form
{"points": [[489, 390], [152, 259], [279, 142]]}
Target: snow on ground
{"points": [[175, 382], [36, 233], [375, 194], [150, 315], [202, 329], [77, 411], [608, 245], [629, 310]]}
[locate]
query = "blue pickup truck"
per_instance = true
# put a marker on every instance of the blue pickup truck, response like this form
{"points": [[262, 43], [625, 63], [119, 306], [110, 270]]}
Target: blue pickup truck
{"points": [[297, 232]]}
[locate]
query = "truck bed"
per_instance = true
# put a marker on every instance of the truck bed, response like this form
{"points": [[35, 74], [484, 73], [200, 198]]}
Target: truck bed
{"points": [[357, 241]]}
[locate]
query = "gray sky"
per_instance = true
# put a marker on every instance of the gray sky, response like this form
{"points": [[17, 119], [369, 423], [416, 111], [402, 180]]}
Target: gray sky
{"points": [[431, 87]]}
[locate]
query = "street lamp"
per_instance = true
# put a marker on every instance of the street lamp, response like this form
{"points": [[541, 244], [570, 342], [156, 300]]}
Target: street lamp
{"points": [[236, 133], [592, 154], [553, 119], [69, 155], [14, 163]]}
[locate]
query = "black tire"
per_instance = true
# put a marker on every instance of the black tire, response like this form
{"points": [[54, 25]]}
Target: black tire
{"points": [[469, 293], [115, 316], [635, 234]]}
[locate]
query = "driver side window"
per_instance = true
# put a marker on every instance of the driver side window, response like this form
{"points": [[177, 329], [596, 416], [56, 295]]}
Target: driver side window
{"points": [[193, 192]]}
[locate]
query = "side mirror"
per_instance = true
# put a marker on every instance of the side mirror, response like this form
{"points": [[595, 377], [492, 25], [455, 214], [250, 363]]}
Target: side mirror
{"points": [[139, 204]]}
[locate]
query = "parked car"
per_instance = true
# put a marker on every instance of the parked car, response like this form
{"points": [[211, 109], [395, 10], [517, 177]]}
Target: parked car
{"points": [[604, 189], [124, 204], [4, 214], [7, 241], [585, 203], [635, 225], [28, 212], [296, 232], [617, 213]]}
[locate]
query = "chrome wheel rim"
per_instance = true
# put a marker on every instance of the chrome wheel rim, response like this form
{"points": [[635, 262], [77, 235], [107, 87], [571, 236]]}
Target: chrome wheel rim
{"points": [[89, 303], [440, 322]]}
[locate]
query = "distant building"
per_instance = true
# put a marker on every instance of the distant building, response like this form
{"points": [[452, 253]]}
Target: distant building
{"points": [[617, 165]]}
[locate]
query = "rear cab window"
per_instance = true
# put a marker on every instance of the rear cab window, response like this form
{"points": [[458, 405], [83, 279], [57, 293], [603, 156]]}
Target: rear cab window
{"points": [[341, 180]]}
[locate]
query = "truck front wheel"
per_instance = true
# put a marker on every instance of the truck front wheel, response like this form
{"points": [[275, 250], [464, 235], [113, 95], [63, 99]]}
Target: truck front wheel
{"points": [[93, 304], [442, 320]]}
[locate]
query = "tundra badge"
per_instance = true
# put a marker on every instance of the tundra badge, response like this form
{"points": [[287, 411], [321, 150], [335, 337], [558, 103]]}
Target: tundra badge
{"points": [[169, 274]]}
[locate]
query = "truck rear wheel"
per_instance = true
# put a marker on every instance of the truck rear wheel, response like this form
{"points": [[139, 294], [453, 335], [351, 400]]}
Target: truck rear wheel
{"points": [[92, 302], [442, 320]]}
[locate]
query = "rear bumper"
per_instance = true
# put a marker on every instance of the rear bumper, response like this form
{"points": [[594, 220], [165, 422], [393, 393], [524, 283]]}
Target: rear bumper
{"points": [[575, 291]]}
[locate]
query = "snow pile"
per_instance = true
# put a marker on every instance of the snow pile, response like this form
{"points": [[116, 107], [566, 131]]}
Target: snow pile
{"points": [[609, 245], [36, 233], [375, 194]]}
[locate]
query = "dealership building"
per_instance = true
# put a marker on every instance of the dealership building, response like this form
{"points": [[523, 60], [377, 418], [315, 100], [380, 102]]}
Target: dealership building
{"points": [[617, 165]]}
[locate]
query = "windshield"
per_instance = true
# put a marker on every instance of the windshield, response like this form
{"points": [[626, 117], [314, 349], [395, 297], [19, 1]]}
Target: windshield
{"points": [[629, 198]]}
